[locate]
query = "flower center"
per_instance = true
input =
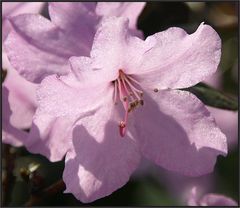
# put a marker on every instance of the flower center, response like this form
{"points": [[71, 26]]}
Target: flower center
{"points": [[127, 92]]}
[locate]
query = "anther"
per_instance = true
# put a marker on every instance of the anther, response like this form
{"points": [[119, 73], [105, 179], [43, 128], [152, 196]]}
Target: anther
{"points": [[132, 105], [131, 94], [136, 102], [155, 90]]}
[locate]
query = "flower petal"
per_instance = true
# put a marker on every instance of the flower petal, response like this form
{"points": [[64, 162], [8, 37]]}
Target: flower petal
{"points": [[6, 28], [109, 44], [114, 43], [50, 136], [217, 200], [66, 96], [62, 102], [19, 105], [102, 160], [77, 19], [179, 60], [131, 10], [16, 8], [36, 52], [178, 133], [21, 98], [85, 72], [10, 134], [228, 123], [192, 196]]}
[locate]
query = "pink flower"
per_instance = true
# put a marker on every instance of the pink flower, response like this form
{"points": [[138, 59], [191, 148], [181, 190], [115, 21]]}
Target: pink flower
{"points": [[38, 47], [210, 199], [123, 102], [19, 98], [47, 45]]}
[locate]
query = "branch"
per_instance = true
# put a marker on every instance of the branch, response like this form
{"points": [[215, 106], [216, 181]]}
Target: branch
{"points": [[49, 191], [9, 177]]}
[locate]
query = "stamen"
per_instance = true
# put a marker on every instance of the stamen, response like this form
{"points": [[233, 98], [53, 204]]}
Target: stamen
{"points": [[125, 87], [125, 100], [120, 89], [134, 90], [130, 96], [115, 93], [129, 77]]}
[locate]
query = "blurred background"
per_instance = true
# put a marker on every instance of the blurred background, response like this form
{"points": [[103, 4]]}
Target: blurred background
{"points": [[24, 174]]}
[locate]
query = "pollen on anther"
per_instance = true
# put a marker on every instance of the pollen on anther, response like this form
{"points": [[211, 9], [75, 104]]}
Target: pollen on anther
{"points": [[132, 105], [141, 102]]}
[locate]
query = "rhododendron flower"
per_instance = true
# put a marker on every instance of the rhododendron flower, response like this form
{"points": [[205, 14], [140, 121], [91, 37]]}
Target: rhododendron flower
{"points": [[123, 102], [19, 96], [48, 44], [39, 46], [210, 199]]}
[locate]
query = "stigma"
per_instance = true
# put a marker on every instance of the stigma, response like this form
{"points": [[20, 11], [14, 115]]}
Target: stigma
{"points": [[126, 90]]}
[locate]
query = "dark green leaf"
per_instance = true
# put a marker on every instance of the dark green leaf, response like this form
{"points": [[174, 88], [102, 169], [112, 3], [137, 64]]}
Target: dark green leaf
{"points": [[213, 97]]}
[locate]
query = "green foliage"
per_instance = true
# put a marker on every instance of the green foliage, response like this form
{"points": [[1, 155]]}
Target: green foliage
{"points": [[214, 98]]}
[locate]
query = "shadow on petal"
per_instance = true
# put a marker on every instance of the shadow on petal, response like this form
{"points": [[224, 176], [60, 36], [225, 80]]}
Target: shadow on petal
{"points": [[174, 136], [50, 136], [94, 170]]}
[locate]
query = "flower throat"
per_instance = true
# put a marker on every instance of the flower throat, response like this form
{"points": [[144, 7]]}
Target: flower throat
{"points": [[126, 91]]}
